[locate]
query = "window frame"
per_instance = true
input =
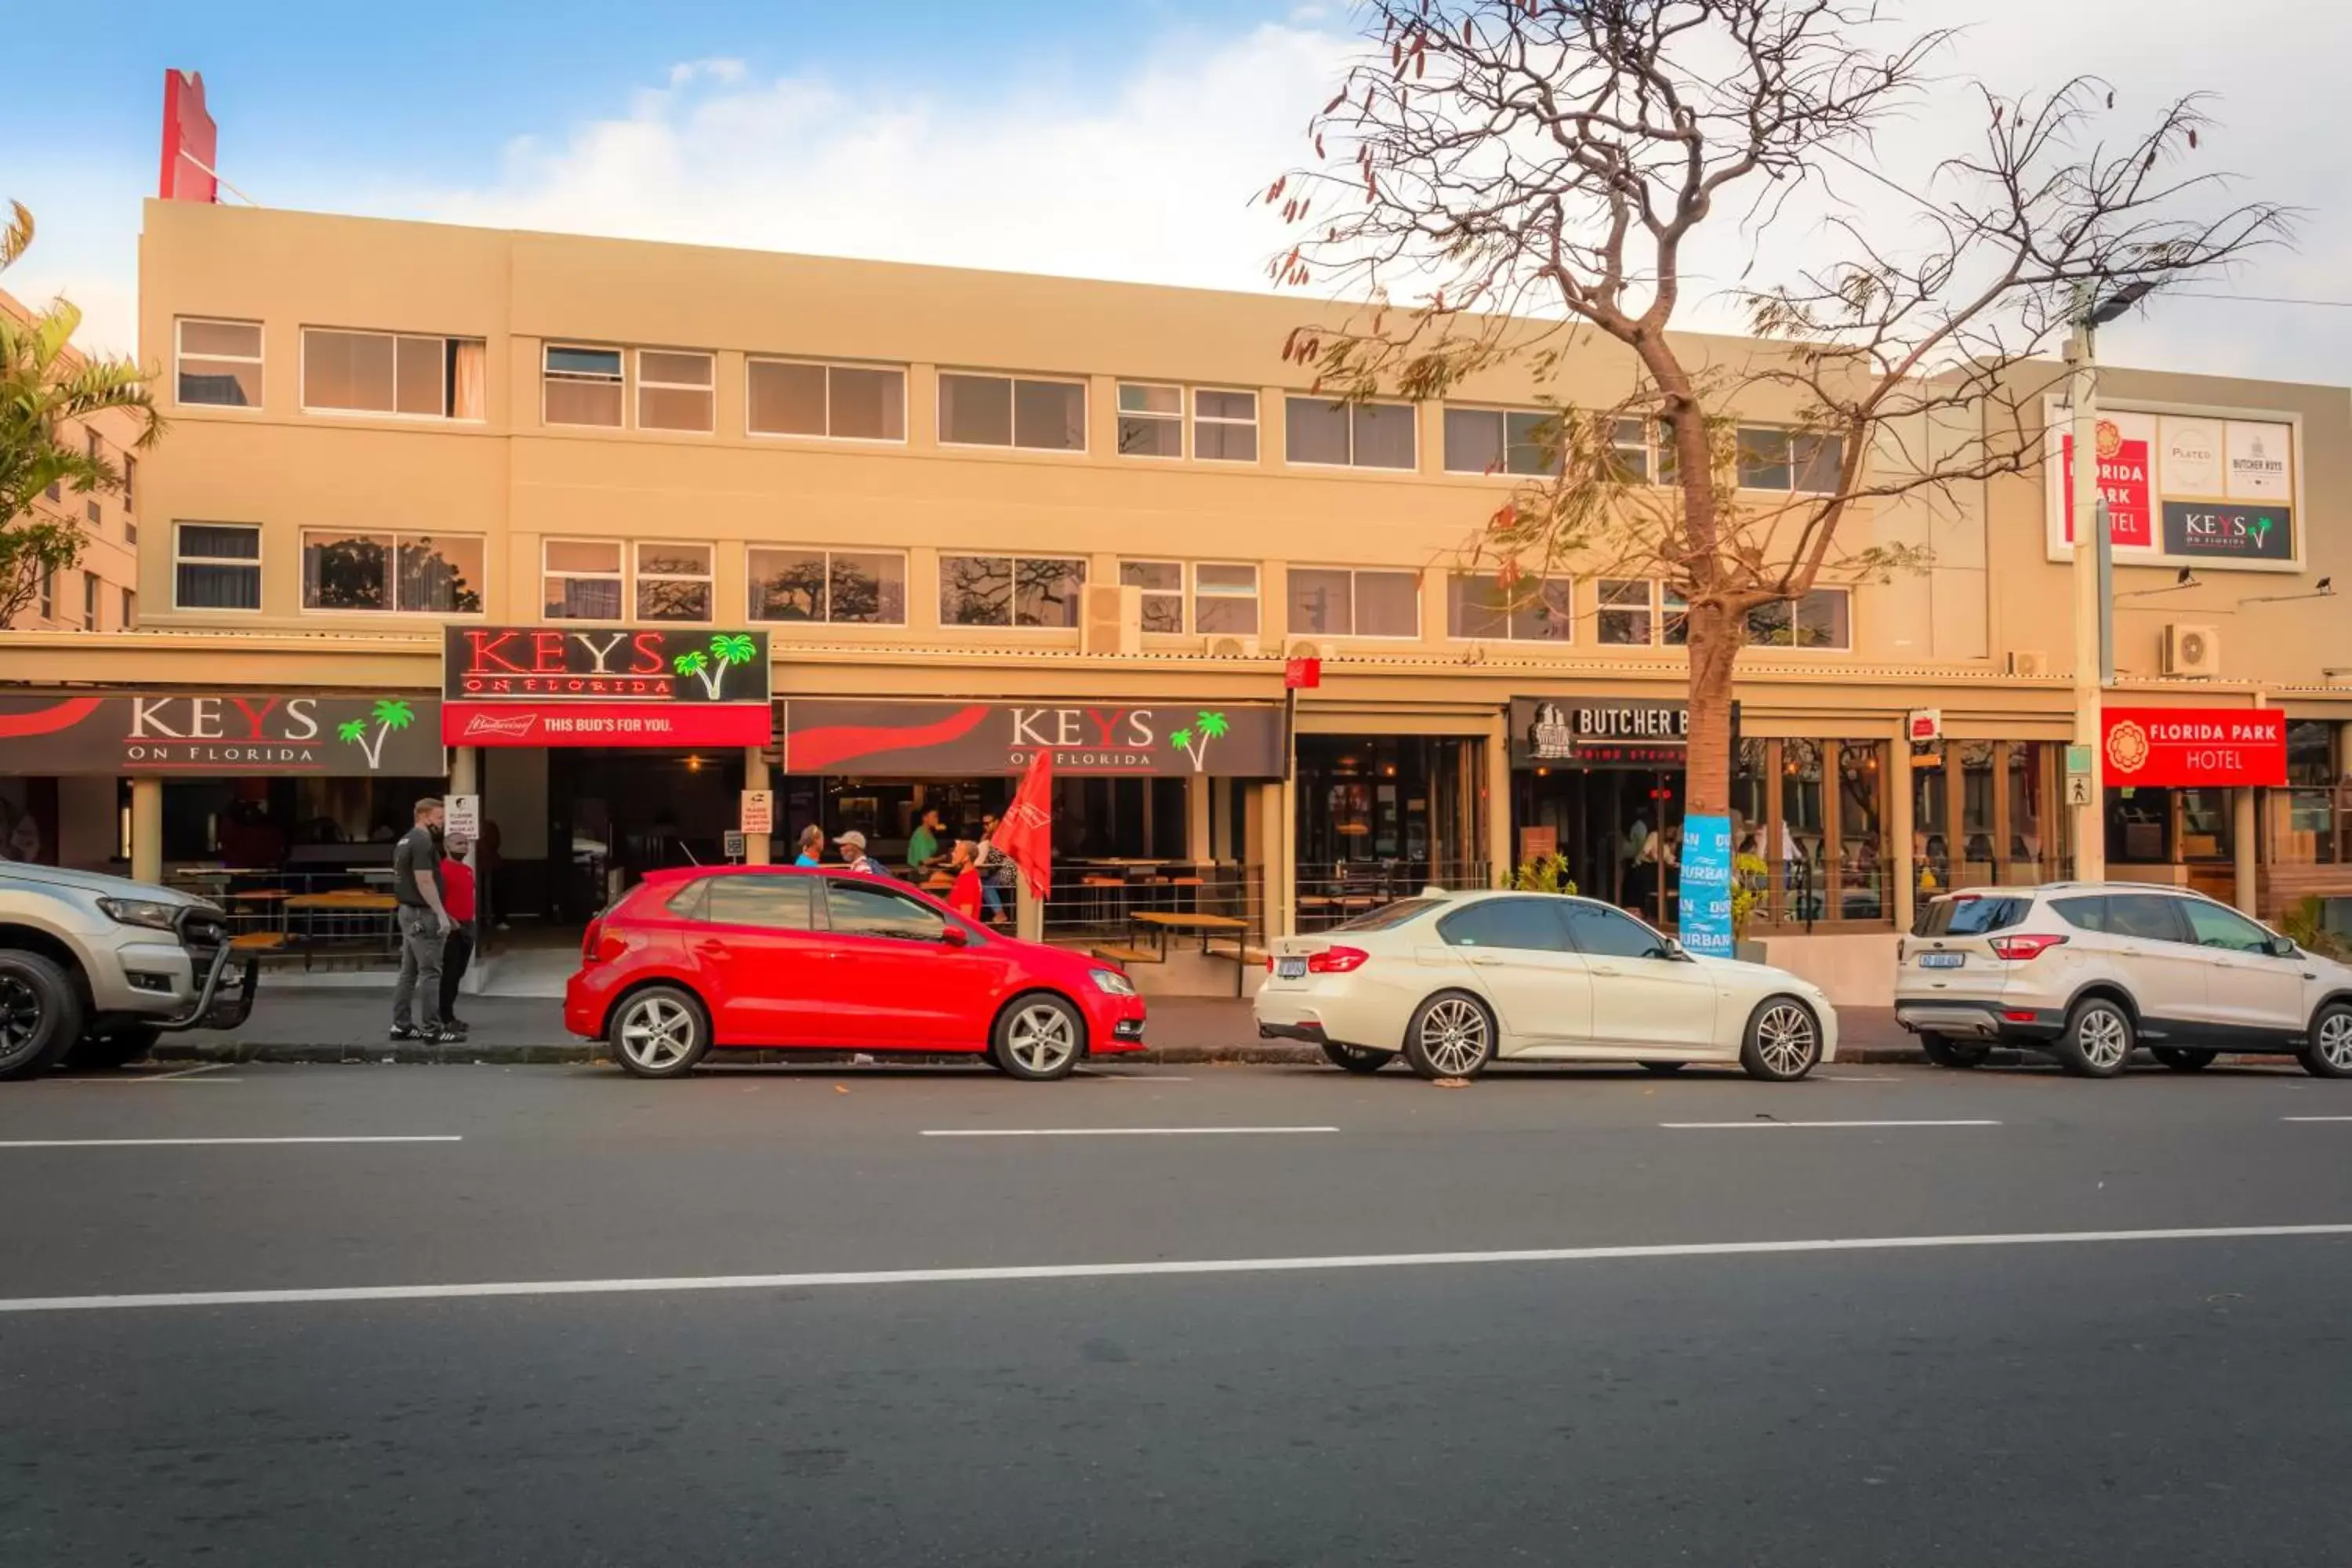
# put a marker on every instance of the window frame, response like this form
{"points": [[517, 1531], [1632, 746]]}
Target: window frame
{"points": [[579, 378], [632, 560], [1120, 413], [1189, 591], [447, 343], [259, 360], [1796, 606], [633, 376], [1789, 437], [752, 584], [392, 572], [257, 561], [1083, 562], [1352, 409], [1506, 413], [828, 366], [1012, 381], [1567, 590], [628, 589], [1352, 634], [1254, 423]]}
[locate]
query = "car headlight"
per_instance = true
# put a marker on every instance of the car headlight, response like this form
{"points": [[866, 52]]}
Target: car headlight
{"points": [[1112, 981], [142, 912]]}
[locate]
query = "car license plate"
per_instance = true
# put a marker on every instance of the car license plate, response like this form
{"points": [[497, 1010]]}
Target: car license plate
{"points": [[1289, 968], [1942, 960]]}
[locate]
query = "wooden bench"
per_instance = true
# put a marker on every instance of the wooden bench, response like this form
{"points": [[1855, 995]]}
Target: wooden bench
{"points": [[1128, 955]]}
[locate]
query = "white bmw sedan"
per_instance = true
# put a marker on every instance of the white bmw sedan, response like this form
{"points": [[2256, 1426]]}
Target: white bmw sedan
{"points": [[1456, 981]]}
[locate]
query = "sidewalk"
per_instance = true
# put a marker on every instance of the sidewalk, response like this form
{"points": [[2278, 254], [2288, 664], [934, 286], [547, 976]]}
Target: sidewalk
{"points": [[348, 1024]]}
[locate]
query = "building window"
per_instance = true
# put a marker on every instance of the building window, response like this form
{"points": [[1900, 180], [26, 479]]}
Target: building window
{"points": [[130, 487], [219, 363], [582, 579], [1010, 590], [1150, 420], [1221, 597], [216, 566], [94, 512], [1776, 459], [56, 490], [384, 372], [1625, 615], [1011, 410], [1629, 439], [130, 609], [1225, 425], [582, 387], [1536, 609], [1348, 435], [90, 601], [1821, 619], [1336, 602], [674, 392], [129, 531], [856, 588], [1500, 441], [839, 402], [673, 581], [405, 573], [49, 595]]}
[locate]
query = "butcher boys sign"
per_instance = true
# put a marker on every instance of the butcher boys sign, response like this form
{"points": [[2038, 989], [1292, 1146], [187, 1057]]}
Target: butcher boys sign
{"points": [[218, 734], [840, 735], [567, 686]]}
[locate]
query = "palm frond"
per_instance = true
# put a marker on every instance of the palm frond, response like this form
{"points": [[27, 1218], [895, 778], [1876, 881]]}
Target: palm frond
{"points": [[17, 237]]}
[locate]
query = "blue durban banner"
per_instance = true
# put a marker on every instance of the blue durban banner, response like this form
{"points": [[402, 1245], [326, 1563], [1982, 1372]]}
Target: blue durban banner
{"points": [[1706, 885]]}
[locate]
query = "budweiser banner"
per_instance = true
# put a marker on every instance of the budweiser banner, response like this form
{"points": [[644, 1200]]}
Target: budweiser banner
{"points": [[569, 686], [393, 735], [2194, 748], [843, 735]]}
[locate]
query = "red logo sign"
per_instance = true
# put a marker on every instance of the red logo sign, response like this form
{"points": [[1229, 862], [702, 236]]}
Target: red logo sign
{"points": [[2124, 480], [1302, 674], [567, 723], [2195, 748]]}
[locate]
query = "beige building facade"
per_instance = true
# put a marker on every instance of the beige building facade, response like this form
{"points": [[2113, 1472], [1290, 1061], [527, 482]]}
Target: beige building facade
{"points": [[100, 592], [935, 492]]}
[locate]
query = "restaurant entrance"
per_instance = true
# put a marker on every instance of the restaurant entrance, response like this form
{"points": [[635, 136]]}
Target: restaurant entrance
{"points": [[1599, 783], [613, 815]]}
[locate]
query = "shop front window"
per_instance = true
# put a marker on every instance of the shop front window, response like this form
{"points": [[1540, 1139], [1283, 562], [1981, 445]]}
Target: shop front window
{"points": [[1861, 871], [1381, 816]]}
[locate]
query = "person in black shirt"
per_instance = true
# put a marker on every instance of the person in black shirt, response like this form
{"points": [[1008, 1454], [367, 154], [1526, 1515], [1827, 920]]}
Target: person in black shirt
{"points": [[425, 925]]}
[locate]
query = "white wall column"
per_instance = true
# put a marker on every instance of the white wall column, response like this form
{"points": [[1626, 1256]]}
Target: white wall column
{"points": [[2246, 891], [755, 777], [464, 770], [147, 829], [1902, 829], [1196, 816]]}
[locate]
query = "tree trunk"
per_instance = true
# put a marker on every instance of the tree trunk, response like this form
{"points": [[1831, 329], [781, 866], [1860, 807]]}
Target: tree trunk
{"points": [[1715, 639]]}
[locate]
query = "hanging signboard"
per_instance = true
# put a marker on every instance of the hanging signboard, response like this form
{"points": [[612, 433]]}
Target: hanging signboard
{"points": [[566, 685], [2194, 748], [2184, 488], [1594, 733], [221, 734], [1222, 740], [1707, 886]]}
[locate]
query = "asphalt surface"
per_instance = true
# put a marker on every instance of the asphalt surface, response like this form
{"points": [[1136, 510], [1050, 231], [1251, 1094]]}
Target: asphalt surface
{"points": [[579, 1318]]}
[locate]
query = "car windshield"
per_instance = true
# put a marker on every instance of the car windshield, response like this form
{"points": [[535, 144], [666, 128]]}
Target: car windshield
{"points": [[1388, 917]]}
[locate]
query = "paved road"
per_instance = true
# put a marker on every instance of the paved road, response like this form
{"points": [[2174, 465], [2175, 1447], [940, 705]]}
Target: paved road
{"points": [[1062, 1342]]}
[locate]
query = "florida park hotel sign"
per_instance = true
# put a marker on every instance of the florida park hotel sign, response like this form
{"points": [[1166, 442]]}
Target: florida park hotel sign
{"points": [[603, 685]]}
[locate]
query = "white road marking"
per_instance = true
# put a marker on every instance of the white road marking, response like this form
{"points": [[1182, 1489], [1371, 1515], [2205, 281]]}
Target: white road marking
{"points": [[1134, 1077], [1143, 1270], [1767, 1121], [213, 1143], [1107, 1132], [1858, 1078], [2316, 1118]]}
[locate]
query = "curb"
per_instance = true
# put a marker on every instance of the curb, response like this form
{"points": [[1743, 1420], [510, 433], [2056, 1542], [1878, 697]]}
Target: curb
{"points": [[577, 1051]]}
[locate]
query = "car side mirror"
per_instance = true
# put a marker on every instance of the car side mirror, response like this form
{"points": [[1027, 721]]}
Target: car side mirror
{"points": [[1675, 950], [2283, 947], [955, 936]]}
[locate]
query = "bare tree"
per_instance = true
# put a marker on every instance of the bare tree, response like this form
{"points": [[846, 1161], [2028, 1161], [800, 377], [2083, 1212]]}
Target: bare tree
{"points": [[1537, 175]]}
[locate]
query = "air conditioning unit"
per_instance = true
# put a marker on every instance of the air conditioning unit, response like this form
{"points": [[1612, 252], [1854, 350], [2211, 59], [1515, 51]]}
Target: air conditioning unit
{"points": [[1230, 648], [2029, 662], [1306, 647], [2191, 651], [1110, 618]]}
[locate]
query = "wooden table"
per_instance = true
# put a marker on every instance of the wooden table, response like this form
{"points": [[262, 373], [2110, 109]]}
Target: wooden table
{"points": [[1164, 921], [353, 901]]}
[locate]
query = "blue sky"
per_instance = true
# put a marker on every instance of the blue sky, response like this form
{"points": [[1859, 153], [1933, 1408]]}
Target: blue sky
{"points": [[1112, 140]]}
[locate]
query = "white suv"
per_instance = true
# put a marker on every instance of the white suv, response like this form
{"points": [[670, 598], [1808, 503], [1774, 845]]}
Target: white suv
{"points": [[2085, 970]]}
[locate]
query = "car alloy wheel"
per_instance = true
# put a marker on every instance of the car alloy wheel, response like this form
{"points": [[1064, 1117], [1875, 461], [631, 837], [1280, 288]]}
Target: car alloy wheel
{"points": [[2097, 1041], [40, 1013], [1452, 1036], [1784, 1041], [20, 1015], [659, 1032], [2329, 1055], [1040, 1038]]}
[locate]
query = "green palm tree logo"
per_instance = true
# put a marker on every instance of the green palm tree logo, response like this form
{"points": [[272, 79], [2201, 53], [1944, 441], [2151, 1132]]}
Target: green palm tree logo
{"points": [[1194, 738], [728, 649], [390, 713]]}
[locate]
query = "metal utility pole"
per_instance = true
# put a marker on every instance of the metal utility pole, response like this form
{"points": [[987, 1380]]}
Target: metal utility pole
{"points": [[2089, 817]]}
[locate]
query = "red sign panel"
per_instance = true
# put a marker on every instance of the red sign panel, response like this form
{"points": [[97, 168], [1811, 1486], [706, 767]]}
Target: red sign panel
{"points": [[2124, 479], [2195, 748], [191, 141], [574, 724], [1302, 674]]}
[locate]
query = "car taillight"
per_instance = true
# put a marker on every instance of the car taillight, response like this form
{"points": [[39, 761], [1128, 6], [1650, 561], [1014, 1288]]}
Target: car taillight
{"points": [[596, 947], [1336, 961], [2017, 949]]}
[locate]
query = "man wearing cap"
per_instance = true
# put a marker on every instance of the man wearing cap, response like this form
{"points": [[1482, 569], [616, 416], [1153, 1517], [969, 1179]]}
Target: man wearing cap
{"points": [[853, 856]]}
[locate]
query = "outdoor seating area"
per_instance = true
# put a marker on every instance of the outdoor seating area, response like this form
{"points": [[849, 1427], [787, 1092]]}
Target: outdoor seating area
{"points": [[286, 913]]}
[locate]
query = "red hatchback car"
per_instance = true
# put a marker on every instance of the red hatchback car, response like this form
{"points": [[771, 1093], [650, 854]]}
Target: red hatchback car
{"points": [[769, 956]]}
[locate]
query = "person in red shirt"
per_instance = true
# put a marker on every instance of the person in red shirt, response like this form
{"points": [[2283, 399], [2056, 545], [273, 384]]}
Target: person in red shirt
{"points": [[963, 895], [458, 897]]}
